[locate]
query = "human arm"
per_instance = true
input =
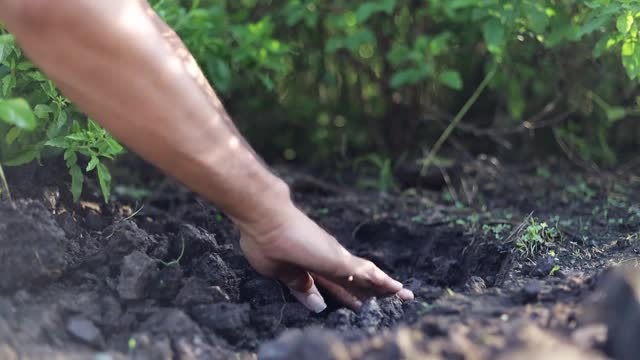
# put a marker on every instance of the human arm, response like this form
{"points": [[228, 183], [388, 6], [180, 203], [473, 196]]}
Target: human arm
{"points": [[126, 69]]}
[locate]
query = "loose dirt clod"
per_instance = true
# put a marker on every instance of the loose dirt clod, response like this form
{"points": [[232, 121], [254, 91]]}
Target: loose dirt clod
{"points": [[33, 248], [136, 273]]}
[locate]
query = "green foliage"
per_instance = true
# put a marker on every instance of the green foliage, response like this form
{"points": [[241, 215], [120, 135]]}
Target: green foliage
{"points": [[53, 127], [535, 237], [224, 44], [383, 167], [339, 79]]}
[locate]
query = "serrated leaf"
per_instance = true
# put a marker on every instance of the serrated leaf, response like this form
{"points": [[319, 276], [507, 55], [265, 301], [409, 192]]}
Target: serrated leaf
{"points": [[104, 177], [93, 163], [17, 112], [451, 78], [8, 83], [77, 181], [59, 142], [42, 111]]}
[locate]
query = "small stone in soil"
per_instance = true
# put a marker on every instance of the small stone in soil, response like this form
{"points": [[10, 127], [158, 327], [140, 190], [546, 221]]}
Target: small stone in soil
{"points": [[135, 274], [85, 330]]}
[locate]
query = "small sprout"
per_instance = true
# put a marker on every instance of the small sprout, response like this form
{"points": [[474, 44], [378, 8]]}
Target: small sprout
{"points": [[425, 307], [132, 343], [450, 292], [554, 270], [219, 217]]}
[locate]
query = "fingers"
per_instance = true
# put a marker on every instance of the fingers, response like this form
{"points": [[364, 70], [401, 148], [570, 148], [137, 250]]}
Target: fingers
{"points": [[342, 295], [364, 277], [302, 288]]}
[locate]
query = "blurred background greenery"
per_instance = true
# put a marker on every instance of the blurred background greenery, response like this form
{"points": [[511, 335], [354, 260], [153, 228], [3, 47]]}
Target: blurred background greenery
{"points": [[318, 81], [332, 82]]}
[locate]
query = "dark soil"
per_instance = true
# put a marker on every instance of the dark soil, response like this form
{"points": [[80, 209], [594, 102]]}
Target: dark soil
{"points": [[109, 282]]}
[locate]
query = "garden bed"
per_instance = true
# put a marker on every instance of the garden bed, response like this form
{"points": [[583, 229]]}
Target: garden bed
{"points": [[166, 280]]}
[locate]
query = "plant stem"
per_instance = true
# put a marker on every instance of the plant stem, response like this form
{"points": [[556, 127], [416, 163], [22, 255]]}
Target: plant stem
{"points": [[4, 184], [456, 120]]}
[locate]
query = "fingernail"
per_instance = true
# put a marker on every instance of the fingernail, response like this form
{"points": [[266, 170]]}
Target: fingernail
{"points": [[406, 294], [315, 303], [312, 299]]}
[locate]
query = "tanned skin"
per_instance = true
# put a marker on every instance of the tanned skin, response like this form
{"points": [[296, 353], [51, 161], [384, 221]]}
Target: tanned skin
{"points": [[124, 67]]}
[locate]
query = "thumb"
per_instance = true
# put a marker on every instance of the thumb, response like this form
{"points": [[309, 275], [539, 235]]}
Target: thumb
{"points": [[303, 288]]}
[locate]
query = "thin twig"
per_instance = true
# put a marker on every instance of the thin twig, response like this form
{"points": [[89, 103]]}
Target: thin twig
{"points": [[456, 120]]}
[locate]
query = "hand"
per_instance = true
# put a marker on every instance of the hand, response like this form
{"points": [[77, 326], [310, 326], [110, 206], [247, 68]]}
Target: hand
{"points": [[290, 247]]}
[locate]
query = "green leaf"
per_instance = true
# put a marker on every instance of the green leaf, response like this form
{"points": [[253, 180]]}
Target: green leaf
{"points": [[631, 58], [104, 177], [12, 135], [77, 181], [452, 79], [22, 158], [409, 76], [59, 142], [368, 8], [93, 163], [42, 111], [494, 36], [624, 22], [17, 112], [7, 39], [616, 113], [593, 24], [8, 83]]}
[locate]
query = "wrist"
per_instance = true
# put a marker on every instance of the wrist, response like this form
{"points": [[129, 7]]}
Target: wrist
{"points": [[270, 208]]}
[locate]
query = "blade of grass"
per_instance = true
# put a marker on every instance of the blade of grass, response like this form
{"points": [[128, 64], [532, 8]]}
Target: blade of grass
{"points": [[4, 185], [456, 120]]}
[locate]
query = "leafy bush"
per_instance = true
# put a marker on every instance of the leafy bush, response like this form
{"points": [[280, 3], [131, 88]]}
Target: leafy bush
{"points": [[346, 78], [53, 126]]}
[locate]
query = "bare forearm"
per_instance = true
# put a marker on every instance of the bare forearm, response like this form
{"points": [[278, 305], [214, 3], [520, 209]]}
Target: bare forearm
{"points": [[122, 66]]}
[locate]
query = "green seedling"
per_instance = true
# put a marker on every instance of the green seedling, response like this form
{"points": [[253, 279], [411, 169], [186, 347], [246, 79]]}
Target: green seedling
{"points": [[425, 308], [554, 270], [385, 180], [176, 261], [498, 231], [535, 237]]}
